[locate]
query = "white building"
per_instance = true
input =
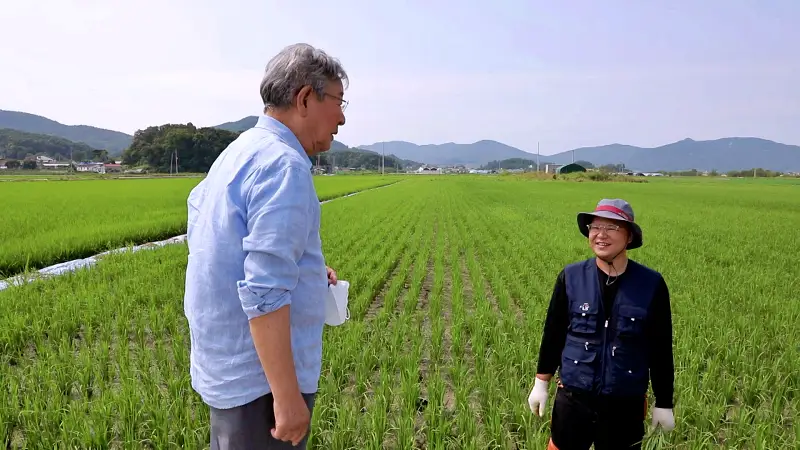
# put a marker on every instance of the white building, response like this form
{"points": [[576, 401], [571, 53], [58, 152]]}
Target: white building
{"points": [[552, 168], [429, 170], [96, 167]]}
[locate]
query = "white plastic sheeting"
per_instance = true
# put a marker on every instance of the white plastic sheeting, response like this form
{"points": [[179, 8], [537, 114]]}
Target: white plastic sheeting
{"points": [[71, 266], [357, 192]]}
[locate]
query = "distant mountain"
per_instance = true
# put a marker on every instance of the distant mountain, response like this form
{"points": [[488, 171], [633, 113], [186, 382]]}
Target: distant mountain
{"points": [[474, 154], [723, 155], [250, 121], [240, 125], [99, 138]]}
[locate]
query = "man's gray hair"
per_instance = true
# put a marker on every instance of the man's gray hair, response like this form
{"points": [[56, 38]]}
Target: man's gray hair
{"points": [[294, 67]]}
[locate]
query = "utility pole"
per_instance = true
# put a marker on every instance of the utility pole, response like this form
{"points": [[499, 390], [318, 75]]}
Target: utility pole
{"points": [[537, 156], [383, 157], [573, 155]]}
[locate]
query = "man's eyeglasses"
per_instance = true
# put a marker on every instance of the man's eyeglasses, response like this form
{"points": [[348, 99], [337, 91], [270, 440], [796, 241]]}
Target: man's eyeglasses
{"points": [[594, 228], [343, 101]]}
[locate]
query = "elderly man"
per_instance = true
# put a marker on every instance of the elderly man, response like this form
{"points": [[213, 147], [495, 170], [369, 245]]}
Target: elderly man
{"points": [[256, 278], [609, 329]]}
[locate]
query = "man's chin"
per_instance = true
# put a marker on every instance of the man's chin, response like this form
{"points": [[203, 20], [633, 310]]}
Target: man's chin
{"points": [[323, 147], [317, 149]]}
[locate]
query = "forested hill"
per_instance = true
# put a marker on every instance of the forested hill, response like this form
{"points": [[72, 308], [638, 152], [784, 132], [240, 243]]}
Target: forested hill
{"points": [[360, 160], [195, 148], [19, 145], [99, 138]]}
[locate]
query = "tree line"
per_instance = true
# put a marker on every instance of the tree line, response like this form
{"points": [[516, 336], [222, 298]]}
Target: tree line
{"points": [[20, 149], [192, 149], [160, 148], [524, 163], [164, 148]]}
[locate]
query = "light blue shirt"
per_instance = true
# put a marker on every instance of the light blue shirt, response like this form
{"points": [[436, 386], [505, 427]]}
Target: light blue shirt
{"points": [[254, 246]]}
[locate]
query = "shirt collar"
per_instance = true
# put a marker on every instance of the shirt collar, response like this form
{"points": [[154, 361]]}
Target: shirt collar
{"points": [[284, 133]]}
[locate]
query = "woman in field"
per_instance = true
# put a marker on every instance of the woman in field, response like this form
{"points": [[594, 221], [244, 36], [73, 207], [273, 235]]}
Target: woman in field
{"points": [[609, 332]]}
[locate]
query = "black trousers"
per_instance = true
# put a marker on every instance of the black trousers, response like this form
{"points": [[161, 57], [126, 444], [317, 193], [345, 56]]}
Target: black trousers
{"points": [[248, 427], [580, 420]]}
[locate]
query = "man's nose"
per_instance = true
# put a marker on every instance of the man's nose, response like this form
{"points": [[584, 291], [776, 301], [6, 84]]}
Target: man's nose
{"points": [[342, 119]]}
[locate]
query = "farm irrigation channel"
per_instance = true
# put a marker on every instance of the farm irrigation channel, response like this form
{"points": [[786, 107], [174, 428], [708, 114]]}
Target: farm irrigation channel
{"points": [[71, 266]]}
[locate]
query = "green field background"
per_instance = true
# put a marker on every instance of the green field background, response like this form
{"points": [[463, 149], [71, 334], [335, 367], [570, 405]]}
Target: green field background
{"points": [[47, 222], [450, 282]]}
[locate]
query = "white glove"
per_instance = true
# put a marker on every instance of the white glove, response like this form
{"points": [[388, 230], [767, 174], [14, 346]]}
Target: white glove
{"points": [[663, 417], [538, 396]]}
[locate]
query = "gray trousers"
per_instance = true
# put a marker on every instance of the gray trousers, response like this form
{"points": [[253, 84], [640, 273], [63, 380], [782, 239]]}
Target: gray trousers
{"points": [[247, 427]]}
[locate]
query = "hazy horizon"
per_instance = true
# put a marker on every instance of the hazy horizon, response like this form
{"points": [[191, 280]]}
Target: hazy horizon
{"points": [[566, 76]]}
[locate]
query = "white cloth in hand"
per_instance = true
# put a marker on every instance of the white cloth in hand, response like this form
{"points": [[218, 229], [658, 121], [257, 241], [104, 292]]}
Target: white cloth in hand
{"points": [[538, 397], [663, 417]]}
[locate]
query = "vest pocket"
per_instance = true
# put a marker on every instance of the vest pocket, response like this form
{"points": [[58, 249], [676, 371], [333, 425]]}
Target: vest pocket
{"points": [[629, 368], [630, 320], [577, 368], [583, 323]]}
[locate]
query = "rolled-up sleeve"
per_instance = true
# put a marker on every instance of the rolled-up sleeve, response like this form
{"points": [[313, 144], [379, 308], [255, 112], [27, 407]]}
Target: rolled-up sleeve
{"points": [[277, 207]]}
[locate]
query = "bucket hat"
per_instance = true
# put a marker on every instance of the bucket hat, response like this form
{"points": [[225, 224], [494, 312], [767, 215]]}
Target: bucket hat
{"points": [[616, 209]]}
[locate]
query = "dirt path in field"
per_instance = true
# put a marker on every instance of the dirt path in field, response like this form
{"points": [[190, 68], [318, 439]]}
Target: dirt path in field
{"points": [[423, 312], [489, 291], [377, 302], [422, 305], [447, 337], [469, 354], [469, 305]]}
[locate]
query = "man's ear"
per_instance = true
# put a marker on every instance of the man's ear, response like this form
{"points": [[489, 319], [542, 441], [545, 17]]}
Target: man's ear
{"points": [[301, 101]]}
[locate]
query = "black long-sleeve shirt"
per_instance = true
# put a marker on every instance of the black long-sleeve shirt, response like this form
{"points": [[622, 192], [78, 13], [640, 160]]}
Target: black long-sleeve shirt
{"points": [[659, 334]]}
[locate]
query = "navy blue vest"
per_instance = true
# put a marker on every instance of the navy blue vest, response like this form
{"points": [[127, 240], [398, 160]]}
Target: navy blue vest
{"points": [[602, 356]]}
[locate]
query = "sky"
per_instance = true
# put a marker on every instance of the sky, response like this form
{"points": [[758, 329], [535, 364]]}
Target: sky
{"points": [[560, 75]]}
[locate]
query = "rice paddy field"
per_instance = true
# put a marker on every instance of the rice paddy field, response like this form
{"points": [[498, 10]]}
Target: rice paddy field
{"points": [[43, 223], [450, 281]]}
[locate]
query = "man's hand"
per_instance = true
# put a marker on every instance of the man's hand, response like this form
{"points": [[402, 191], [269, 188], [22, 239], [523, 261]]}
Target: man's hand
{"points": [[537, 400], [663, 417], [292, 419], [272, 338], [331, 276]]}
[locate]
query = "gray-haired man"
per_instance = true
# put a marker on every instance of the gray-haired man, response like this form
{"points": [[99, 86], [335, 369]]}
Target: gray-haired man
{"points": [[255, 254]]}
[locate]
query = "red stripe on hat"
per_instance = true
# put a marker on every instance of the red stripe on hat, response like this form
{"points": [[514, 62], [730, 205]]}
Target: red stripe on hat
{"points": [[613, 209]]}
